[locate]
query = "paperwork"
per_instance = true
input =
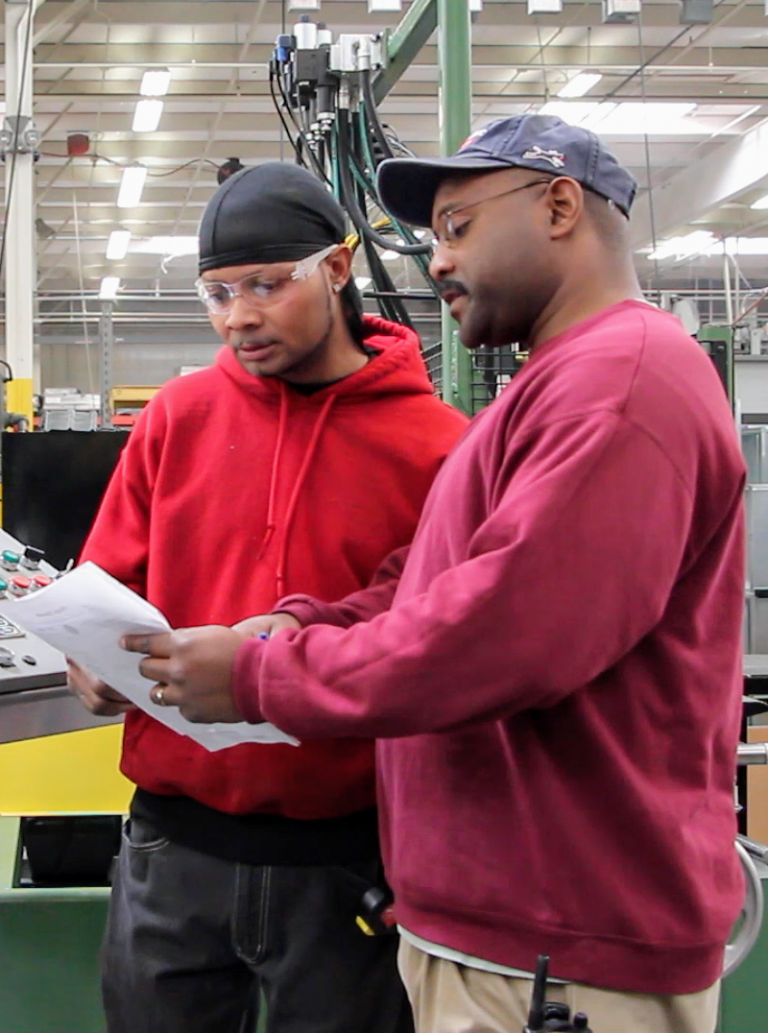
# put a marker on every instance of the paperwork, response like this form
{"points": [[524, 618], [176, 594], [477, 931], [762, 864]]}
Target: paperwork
{"points": [[84, 614]]}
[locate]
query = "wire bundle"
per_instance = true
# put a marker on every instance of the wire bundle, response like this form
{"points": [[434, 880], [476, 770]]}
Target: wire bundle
{"points": [[344, 148]]}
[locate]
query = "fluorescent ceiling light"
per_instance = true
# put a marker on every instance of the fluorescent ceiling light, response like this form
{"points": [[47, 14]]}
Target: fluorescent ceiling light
{"points": [[303, 5], [109, 287], [475, 6], [653, 118], [155, 82], [146, 118], [760, 203], [131, 186], [384, 5], [361, 282], [580, 84], [545, 6], [586, 113], [703, 244], [117, 246], [679, 248], [173, 246], [740, 246], [629, 118], [388, 256]]}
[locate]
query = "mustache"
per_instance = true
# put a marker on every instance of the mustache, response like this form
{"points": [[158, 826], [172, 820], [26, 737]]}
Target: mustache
{"points": [[452, 286]]}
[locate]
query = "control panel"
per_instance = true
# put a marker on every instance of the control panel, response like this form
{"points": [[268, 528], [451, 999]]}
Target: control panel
{"points": [[26, 662]]}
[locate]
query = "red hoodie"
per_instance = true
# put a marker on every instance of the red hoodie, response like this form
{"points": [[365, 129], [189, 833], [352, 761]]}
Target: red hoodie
{"points": [[234, 489], [557, 684]]}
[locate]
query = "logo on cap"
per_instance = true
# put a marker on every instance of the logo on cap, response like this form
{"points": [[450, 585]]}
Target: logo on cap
{"points": [[473, 137], [555, 158]]}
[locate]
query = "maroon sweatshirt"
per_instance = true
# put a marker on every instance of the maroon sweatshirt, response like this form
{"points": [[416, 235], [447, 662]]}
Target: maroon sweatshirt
{"points": [[555, 669]]}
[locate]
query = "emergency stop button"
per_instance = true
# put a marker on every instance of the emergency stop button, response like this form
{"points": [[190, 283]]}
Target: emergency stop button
{"points": [[41, 581], [20, 585]]}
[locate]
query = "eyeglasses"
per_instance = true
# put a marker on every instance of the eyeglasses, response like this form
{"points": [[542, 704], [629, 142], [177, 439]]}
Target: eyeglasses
{"points": [[257, 289], [448, 232]]}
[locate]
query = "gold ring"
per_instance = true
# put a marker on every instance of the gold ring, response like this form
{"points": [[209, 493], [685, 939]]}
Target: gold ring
{"points": [[159, 696]]}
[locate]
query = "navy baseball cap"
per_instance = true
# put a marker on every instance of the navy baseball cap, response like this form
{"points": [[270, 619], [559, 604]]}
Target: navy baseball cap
{"points": [[544, 143]]}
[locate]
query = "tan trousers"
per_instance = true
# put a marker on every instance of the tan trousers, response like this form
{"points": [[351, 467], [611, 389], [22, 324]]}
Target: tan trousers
{"points": [[451, 998]]}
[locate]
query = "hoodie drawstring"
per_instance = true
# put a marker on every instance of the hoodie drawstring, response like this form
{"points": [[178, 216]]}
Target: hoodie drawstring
{"points": [[281, 427], [289, 513]]}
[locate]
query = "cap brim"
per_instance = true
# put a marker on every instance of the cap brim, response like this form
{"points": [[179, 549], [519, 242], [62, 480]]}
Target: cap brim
{"points": [[407, 186]]}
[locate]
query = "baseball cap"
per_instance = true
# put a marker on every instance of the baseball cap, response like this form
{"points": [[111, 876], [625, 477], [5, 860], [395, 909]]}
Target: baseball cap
{"points": [[275, 212], [544, 143]]}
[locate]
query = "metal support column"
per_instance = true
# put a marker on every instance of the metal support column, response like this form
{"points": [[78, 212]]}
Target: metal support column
{"points": [[106, 345], [404, 42], [19, 141], [454, 47]]}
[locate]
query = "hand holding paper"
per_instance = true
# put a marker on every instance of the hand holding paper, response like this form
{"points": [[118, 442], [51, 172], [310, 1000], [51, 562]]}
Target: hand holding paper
{"points": [[85, 614], [191, 669]]}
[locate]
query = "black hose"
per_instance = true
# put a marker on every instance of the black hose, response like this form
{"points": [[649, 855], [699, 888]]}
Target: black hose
{"points": [[306, 149], [276, 102], [373, 116], [356, 214], [358, 165]]}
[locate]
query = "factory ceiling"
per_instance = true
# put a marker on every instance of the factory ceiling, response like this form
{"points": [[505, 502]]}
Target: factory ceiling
{"points": [[683, 105]]}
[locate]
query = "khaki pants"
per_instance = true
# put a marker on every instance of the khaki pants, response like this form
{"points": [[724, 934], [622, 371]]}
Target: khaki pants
{"points": [[451, 998]]}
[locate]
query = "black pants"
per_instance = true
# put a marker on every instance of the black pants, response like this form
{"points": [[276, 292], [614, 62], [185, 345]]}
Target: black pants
{"points": [[191, 941]]}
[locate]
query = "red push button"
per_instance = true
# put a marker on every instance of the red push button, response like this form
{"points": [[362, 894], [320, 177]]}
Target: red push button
{"points": [[41, 581], [20, 585]]}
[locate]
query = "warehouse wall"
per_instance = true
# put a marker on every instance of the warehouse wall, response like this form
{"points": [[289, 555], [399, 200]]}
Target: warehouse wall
{"points": [[146, 352], [135, 361]]}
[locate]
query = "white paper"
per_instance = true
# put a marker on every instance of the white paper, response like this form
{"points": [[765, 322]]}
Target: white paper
{"points": [[84, 614]]}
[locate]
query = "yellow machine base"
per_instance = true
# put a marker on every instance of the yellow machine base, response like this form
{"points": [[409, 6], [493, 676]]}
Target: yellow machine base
{"points": [[72, 773]]}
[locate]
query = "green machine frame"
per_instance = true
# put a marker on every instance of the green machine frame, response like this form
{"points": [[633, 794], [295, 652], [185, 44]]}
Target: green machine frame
{"points": [[452, 20], [49, 947], [717, 342]]}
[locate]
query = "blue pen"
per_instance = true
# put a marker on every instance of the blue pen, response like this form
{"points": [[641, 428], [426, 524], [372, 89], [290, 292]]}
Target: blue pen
{"points": [[263, 635]]}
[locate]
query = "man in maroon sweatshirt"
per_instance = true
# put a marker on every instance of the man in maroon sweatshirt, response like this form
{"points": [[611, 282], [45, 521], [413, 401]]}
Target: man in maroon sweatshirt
{"points": [[296, 462], [553, 669]]}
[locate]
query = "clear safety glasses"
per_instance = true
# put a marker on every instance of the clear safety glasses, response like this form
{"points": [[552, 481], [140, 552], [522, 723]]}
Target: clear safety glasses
{"points": [[449, 231], [259, 288]]}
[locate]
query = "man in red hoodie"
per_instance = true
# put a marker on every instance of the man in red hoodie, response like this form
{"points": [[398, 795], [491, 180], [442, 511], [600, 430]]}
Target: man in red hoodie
{"points": [[297, 462], [553, 670]]}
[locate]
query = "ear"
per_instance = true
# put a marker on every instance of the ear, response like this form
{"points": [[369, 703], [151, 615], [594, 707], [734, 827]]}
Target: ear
{"points": [[340, 267], [566, 204]]}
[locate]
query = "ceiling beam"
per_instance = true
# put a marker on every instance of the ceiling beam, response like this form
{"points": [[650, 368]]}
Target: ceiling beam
{"points": [[701, 60], [69, 12], [404, 43]]}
